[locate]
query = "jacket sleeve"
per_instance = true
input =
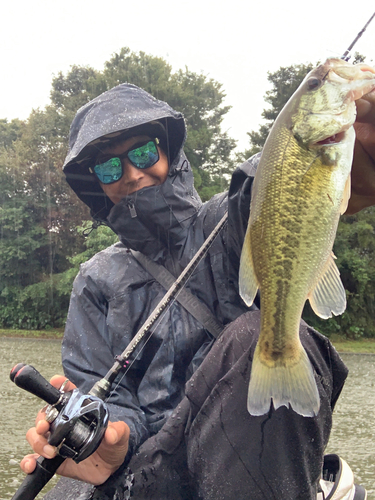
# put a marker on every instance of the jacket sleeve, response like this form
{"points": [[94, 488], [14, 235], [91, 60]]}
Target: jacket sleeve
{"points": [[239, 197], [87, 355]]}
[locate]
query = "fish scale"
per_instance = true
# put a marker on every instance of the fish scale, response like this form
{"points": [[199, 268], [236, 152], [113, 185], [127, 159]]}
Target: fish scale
{"points": [[301, 187]]}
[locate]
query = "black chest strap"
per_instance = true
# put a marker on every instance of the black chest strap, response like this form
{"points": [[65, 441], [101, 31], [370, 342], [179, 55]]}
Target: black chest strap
{"points": [[191, 303]]}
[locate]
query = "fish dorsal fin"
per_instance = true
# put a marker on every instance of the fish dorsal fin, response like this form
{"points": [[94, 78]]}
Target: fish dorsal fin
{"points": [[328, 297], [346, 196], [248, 283]]}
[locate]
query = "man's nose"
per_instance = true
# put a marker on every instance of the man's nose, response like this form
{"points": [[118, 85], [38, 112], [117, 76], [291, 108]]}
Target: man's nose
{"points": [[131, 173]]}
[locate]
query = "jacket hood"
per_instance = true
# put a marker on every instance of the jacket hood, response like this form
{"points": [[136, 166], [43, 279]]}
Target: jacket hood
{"points": [[126, 110]]}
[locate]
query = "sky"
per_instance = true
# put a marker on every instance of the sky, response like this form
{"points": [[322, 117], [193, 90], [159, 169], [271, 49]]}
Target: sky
{"points": [[235, 42]]}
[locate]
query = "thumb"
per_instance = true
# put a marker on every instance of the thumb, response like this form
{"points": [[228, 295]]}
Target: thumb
{"points": [[114, 446], [117, 433]]}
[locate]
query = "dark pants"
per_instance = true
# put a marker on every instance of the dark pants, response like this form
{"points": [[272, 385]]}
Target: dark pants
{"points": [[212, 449]]}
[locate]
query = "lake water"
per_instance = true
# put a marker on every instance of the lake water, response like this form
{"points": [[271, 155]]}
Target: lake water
{"points": [[18, 407], [352, 436]]}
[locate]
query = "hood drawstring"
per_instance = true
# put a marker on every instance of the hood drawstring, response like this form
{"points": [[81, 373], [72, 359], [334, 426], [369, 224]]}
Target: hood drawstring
{"points": [[86, 232]]}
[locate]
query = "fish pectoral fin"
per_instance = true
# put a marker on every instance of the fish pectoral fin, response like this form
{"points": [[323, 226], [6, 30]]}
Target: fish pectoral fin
{"points": [[346, 196], [288, 384], [328, 297], [248, 283]]}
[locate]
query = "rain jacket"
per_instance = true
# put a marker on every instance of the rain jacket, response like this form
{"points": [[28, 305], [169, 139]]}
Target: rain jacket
{"points": [[193, 456], [113, 294]]}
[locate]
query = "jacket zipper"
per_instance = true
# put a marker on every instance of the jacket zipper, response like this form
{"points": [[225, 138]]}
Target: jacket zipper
{"points": [[132, 210]]}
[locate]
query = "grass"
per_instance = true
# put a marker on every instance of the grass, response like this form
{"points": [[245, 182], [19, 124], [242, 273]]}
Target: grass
{"points": [[365, 346], [361, 346], [54, 333]]}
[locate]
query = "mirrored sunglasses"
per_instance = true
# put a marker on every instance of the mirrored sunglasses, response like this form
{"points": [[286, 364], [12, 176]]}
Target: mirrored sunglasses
{"points": [[141, 156]]}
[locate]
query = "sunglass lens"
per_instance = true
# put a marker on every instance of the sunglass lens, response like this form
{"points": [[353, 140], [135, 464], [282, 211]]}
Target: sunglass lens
{"points": [[144, 156], [109, 171]]}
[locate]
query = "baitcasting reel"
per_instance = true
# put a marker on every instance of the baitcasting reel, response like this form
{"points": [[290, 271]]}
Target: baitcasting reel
{"points": [[77, 425]]}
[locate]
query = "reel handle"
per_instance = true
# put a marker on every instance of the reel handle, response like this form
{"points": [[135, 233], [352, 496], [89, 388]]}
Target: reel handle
{"points": [[28, 378], [35, 482]]}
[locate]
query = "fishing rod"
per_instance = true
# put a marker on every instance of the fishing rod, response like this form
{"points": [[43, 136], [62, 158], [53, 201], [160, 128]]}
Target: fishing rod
{"points": [[102, 388], [346, 56], [78, 421]]}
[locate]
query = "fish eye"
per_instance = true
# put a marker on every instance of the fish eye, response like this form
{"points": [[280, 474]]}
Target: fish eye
{"points": [[313, 83]]}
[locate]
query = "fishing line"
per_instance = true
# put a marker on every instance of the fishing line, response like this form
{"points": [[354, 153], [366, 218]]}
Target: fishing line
{"points": [[201, 252], [124, 372]]}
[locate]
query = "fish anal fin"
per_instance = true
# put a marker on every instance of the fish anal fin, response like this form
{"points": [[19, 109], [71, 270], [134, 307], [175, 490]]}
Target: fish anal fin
{"points": [[328, 296], [248, 283], [346, 196], [285, 384]]}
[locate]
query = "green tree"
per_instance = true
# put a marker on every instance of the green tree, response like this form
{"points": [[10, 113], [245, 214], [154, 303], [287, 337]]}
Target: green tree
{"points": [[38, 215], [74, 90], [22, 242], [93, 242], [10, 131], [285, 82]]}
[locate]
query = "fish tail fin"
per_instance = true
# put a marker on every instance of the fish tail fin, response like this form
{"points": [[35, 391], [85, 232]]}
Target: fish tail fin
{"points": [[286, 384]]}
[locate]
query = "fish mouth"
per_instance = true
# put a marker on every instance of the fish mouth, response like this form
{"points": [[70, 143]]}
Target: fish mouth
{"points": [[351, 72], [332, 139]]}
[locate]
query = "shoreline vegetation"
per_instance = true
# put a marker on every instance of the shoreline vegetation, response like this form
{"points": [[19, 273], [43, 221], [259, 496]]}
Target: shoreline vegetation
{"points": [[342, 345], [53, 334]]}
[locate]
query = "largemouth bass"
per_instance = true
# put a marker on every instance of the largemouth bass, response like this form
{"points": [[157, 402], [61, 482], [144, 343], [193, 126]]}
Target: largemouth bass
{"points": [[301, 187]]}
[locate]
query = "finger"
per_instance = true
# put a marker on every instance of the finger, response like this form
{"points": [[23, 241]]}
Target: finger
{"points": [[366, 108], [58, 380], [117, 433], [42, 427], [40, 444], [114, 446], [28, 463], [41, 416], [365, 133]]}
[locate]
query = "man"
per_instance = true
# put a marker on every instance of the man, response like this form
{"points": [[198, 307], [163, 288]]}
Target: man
{"points": [[127, 164]]}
